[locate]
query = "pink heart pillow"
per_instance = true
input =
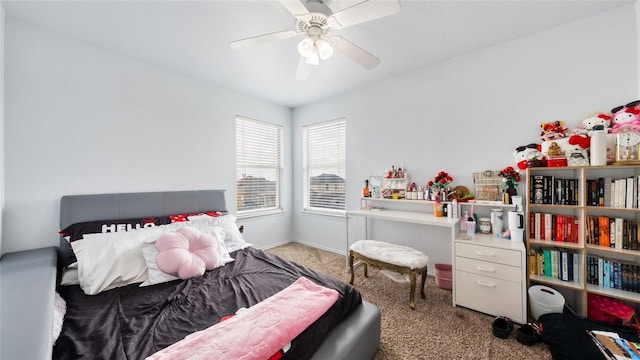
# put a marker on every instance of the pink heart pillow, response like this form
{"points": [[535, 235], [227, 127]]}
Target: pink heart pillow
{"points": [[187, 253]]}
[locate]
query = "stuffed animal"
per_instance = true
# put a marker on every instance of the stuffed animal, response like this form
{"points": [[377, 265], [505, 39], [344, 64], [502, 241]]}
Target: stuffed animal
{"points": [[524, 153], [573, 142], [626, 117], [552, 130], [591, 120]]}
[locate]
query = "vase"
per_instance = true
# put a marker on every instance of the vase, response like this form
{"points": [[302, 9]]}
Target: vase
{"points": [[511, 191]]}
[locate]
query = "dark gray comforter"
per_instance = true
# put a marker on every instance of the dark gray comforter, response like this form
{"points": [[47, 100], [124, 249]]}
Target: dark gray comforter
{"points": [[133, 322]]}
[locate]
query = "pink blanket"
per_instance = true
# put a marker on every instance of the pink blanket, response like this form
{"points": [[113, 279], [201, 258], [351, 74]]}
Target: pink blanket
{"points": [[259, 331]]}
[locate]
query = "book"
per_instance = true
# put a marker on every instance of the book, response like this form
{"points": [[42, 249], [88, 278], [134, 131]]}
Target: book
{"points": [[555, 260], [537, 197], [603, 228], [613, 347], [629, 197], [547, 226], [576, 268], [546, 253], [607, 191], [564, 265]]}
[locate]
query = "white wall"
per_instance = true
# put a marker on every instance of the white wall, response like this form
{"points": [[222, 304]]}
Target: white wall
{"points": [[1, 120], [83, 119], [469, 114]]}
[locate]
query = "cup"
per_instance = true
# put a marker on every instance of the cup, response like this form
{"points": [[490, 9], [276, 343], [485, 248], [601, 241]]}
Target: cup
{"points": [[517, 235], [497, 221], [484, 224], [471, 227]]}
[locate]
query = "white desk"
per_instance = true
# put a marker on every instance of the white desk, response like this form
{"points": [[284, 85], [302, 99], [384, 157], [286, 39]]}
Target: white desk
{"points": [[488, 272], [414, 217]]}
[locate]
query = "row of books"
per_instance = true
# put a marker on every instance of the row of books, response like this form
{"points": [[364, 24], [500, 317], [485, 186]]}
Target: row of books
{"points": [[613, 274], [556, 263], [604, 191], [613, 232], [547, 189], [553, 227], [617, 193]]}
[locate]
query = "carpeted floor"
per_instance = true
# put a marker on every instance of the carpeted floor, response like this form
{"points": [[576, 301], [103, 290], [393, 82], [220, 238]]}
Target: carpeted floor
{"points": [[435, 330]]}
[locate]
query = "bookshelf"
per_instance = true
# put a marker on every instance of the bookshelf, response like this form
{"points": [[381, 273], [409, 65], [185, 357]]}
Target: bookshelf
{"points": [[600, 230]]}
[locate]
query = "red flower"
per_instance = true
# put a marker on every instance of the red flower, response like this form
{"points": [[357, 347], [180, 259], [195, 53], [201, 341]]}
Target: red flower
{"points": [[510, 176], [441, 180]]}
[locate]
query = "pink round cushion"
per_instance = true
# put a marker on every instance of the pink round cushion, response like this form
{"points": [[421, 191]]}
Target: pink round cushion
{"points": [[187, 253]]}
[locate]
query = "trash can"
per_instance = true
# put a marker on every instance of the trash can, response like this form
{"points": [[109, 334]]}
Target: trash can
{"points": [[444, 280], [544, 300]]}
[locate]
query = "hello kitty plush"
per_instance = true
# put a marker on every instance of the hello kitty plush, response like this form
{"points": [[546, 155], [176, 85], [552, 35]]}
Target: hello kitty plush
{"points": [[626, 117], [591, 120], [557, 139]]}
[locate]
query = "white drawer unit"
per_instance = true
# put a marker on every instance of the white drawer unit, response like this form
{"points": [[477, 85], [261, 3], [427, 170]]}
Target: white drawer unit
{"points": [[490, 276]]}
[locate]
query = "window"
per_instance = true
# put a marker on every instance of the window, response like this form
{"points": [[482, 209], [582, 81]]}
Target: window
{"points": [[324, 167], [258, 166]]}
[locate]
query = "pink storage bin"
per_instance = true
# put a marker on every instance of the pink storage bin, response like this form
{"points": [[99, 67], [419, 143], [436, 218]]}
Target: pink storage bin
{"points": [[444, 279]]}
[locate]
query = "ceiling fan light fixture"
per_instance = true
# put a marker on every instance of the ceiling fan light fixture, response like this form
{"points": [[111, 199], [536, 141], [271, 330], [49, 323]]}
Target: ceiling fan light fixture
{"points": [[325, 50], [306, 47], [313, 59]]}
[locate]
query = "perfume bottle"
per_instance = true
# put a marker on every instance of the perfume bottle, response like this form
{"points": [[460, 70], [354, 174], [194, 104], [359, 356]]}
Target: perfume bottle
{"points": [[463, 221]]}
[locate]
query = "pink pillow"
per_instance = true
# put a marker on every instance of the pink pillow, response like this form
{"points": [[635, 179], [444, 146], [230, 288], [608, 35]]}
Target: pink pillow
{"points": [[187, 253]]}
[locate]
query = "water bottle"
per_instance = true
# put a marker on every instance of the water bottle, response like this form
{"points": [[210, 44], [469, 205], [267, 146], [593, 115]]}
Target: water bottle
{"points": [[598, 150]]}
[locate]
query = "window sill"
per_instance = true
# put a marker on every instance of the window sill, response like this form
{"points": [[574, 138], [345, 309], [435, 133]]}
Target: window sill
{"points": [[256, 214], [331, 214]]}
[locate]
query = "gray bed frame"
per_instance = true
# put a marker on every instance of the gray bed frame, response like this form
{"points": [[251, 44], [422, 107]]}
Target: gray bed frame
{"points": [[25, 331]]}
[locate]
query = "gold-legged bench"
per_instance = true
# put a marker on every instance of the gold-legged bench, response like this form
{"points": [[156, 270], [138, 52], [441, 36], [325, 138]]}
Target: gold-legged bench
{"points": [[386, 256]]}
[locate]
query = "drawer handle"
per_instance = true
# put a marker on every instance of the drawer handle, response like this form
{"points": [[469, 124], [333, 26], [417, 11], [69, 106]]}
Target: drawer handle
{"points": [[480, 253], [486, 283], [489, 269]]}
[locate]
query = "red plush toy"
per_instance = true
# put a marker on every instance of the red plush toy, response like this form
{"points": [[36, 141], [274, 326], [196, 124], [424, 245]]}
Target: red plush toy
{"points": [[552, 130], [523, 154]]}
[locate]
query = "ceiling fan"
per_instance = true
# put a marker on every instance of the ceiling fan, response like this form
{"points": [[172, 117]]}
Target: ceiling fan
{"points": [[314, 20]]}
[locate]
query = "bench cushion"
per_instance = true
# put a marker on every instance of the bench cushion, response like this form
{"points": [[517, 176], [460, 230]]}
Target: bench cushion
{"points": [[391, 253]]}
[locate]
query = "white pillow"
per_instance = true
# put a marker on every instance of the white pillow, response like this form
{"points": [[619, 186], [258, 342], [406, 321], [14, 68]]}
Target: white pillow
{"points": [[110, 260], [150, 253], [233, 238], [70, 275]]}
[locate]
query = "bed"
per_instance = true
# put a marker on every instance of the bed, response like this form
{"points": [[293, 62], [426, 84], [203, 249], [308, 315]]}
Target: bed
{"points": [[133, 322]]}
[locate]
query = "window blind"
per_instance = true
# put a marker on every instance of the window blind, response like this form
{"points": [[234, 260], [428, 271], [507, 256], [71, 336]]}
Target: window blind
{"points": [[324, 166], [258, 165]]}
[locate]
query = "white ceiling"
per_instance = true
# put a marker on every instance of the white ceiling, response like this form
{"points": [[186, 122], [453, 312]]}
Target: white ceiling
{"points": [[192, 37]]}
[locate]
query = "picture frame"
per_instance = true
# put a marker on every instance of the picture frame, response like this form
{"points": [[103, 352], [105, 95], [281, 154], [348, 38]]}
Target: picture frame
{"points": [[577, 157]]}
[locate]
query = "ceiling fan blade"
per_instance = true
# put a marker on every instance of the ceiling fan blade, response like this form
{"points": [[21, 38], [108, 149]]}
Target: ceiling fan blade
{"points": [[354, 52], [262, 39], [362, 12], [296, 8], [304, 69]]}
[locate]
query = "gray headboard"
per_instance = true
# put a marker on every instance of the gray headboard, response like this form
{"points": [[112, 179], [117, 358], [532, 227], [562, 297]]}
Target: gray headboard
{"points": [[77, 208], [89, 207]]}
